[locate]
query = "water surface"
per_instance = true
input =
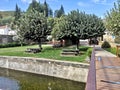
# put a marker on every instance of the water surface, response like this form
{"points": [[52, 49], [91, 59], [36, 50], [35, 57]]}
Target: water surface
{"points": [[16, 80]]}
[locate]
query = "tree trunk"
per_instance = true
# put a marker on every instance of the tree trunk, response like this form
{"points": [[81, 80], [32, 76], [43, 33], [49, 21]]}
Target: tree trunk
{"points": [[102, 38], [77, 42], [40, 46], [21, 43]]}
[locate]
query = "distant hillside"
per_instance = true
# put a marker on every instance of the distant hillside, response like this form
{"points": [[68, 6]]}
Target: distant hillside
{"points": [[5, 14], [6, 17]]}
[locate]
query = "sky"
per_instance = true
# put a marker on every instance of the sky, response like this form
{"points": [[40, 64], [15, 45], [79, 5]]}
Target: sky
{"points": [[97, 7]]}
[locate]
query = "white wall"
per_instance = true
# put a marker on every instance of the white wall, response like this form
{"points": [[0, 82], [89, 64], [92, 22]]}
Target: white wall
{"points": [[2, 31], [6, 31]]}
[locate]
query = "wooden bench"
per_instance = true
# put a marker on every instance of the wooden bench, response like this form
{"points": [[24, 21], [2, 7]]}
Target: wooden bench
{"points": [[33, 50]]}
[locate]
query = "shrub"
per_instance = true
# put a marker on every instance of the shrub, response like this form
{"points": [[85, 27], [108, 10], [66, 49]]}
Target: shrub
{"points": [[106, 45], [117, 40], [89, 52], [83, 48], [14, 44]]}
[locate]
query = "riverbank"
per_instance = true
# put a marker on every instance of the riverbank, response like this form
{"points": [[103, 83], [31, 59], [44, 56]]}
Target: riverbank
{"points": [[62, 69]]}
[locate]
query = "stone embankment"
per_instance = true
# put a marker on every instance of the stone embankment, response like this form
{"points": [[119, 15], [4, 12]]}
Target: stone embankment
{"points": [[62, 69]]}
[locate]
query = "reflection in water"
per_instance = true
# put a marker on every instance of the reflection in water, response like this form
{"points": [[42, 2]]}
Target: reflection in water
{"points": [[8, 84], [15, 80]]}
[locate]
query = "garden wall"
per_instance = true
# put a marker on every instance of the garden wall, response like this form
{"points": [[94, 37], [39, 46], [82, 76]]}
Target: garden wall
{"points": [[6, 39], [67, 70]]}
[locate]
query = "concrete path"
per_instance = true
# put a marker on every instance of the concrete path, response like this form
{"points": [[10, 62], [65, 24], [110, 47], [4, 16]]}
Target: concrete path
{"points": [[107, 70], [103, 53]]}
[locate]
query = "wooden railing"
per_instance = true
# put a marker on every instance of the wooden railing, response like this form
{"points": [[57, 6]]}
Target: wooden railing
{"points": [[91, 79]]}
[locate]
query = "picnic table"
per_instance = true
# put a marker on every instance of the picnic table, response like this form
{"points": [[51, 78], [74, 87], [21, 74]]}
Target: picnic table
{"points": [[33, 50]]}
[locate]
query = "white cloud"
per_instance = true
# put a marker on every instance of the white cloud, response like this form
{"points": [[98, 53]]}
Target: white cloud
{"points": [[104, 2], [2, 10], [82, 4], [100, 1]]}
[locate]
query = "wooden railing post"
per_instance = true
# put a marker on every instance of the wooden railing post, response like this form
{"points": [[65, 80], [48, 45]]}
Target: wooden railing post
{"points": [[117, 49], [91, 79]]}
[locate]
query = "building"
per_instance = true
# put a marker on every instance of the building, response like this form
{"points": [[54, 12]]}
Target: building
{"points": [[6, 34], [108, 36], [5, 30]]}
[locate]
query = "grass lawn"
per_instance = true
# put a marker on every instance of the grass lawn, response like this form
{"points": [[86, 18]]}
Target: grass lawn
{"points": [[112, 50], [47, 52]]}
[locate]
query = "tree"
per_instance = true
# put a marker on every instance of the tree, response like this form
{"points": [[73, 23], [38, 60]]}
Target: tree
{"points": [[50, 13], [60, 12], [34, 5], [50, 24], [45, 9], [1, 16], [78, 25], [112, 19], [67, 27], [17, 14], [33, 26], [6, 20], [95, 25]]}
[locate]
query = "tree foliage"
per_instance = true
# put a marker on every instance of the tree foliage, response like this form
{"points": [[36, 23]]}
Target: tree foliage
{"points": [[112, 19], [45, 9], [42, 8], [78, 25], [50, 24], [60, 12], [33, 26], [17, 13], [6, 21], [34, 5]]}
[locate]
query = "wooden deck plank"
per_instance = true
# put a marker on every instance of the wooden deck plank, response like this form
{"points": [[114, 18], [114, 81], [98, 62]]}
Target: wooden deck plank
{"points": [[108, 69]]}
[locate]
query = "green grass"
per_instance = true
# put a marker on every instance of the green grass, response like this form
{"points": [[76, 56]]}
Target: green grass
{"points": [[47, 52], [112, 50]]}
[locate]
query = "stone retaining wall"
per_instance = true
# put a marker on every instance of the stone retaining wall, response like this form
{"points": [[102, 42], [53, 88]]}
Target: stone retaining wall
{"points": [[6, 39], [66, 70]]}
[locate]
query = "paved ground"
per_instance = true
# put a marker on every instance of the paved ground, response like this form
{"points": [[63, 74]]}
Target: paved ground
{"points": [[107, 70], [103, 53]]}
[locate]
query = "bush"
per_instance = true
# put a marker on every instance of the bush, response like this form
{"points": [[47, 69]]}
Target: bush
{"points": [[83, 48], [14, 44], [89, 52], [106, 45], [117, 40]]}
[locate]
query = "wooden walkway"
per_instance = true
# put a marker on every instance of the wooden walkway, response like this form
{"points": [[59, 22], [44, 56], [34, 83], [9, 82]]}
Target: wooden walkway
{"points": [[107, 73]]}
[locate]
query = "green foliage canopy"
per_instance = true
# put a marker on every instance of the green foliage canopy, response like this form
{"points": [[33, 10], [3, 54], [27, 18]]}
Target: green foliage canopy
{"points": [[33, 26], [42, 8], [78, 25], [112, 19], [17, 13], [34, 5], [60, 12]]}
